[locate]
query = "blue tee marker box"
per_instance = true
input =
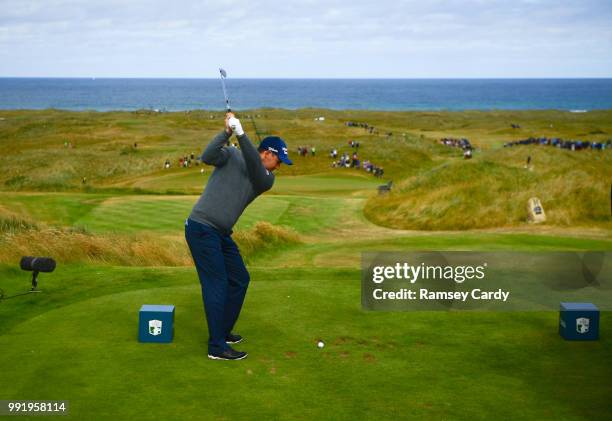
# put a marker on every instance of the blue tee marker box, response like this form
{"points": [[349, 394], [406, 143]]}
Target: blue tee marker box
{"points": [[156, 323], [579, 321]]}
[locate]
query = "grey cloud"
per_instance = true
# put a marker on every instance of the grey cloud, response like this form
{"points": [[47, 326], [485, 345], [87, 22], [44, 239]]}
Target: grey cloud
{"points": [[304, 38]]}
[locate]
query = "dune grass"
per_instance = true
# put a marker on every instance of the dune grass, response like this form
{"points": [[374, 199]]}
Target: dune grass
{"points": [[103, 142], [493, 190]]}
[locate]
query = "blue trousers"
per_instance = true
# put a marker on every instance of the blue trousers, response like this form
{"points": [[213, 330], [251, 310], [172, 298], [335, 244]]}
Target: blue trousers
{"points": [[223, 277]]}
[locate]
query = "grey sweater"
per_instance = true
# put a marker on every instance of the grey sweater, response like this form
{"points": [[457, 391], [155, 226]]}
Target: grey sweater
{"points": [[239, 177]]}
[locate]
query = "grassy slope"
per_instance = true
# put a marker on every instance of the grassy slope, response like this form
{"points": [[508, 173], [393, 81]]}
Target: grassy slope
{"points": [[436, 188], [493, 189]]}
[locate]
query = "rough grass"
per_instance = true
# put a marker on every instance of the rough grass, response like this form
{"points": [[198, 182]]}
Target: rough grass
{"points": [[70, 245], [34, 156], [264, 236], [11, 223], [493, 191]]}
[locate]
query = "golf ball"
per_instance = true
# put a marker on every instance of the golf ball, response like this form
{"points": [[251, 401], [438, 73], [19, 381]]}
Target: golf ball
{"points": [[320, 344]]}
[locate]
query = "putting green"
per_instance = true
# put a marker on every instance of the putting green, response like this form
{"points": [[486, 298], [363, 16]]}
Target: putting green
{"points": [[191, 180], [182, 179], [165, 214]]}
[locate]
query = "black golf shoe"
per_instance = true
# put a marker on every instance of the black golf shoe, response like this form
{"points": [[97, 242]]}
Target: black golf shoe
{"points": [[228, 354], [233, 339]]}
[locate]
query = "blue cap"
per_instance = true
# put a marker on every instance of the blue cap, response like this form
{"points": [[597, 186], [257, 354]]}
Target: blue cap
{"points": [[278, 146]]}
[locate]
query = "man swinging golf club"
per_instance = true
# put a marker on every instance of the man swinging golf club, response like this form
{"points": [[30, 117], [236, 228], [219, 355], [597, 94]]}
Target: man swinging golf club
{"points": [[239, 177]]}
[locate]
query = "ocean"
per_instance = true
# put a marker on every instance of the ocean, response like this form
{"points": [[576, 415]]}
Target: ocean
{"points": [[357, 94]]}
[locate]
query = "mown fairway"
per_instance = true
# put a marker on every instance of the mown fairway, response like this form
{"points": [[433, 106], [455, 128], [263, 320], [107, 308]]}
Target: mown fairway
{"points": [[77, 340]]}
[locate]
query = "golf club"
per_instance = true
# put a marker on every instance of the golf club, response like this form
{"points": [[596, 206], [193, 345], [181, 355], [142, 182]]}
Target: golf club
{"points": [[227, 104], [223, 76]]}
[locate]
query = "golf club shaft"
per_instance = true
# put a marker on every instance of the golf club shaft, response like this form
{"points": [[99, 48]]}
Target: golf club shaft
{"points": [[227, 104]]}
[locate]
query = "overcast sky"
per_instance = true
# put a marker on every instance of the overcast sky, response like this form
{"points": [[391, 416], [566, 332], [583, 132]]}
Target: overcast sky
{"points": [[316, 38]]}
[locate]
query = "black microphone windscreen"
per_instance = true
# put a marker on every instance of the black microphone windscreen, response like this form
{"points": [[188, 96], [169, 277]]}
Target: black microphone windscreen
{"points": [[40, 264]]}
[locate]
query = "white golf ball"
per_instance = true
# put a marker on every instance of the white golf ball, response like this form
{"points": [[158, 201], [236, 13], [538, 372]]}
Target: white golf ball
{"points": [[320, 344]]}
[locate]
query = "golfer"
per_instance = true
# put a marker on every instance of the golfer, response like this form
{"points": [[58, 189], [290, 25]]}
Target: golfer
{"points": [[239, 177]]}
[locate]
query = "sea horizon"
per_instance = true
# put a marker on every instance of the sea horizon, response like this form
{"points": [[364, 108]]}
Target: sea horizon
{"points": [[381, 94], [309, 78]]}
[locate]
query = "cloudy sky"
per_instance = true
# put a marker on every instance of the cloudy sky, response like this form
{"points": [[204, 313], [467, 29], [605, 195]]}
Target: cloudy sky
{"points": [[314, 38]]}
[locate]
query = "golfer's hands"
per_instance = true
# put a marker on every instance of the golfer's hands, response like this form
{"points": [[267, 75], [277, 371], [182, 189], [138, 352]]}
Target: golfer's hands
{"points": [[228, 129], [232, 124], [235, 125]]}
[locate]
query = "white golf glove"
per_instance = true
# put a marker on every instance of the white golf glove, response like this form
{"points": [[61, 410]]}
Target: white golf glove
{"points": [[235, 125]]}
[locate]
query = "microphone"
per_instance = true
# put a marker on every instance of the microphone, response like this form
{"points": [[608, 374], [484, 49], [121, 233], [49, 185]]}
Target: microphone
{"points": [[37, 264]]}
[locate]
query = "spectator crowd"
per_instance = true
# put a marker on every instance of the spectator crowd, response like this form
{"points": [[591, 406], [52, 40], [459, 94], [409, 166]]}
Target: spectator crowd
{"points": [[368, 128], [462, 143], [353, 161], [304, 150], [573, 145]]}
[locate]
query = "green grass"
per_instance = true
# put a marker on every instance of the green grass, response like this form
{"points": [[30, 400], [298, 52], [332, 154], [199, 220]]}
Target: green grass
{"points": [[77, 340], [59, 208], [165, 214], [405, 365]]}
